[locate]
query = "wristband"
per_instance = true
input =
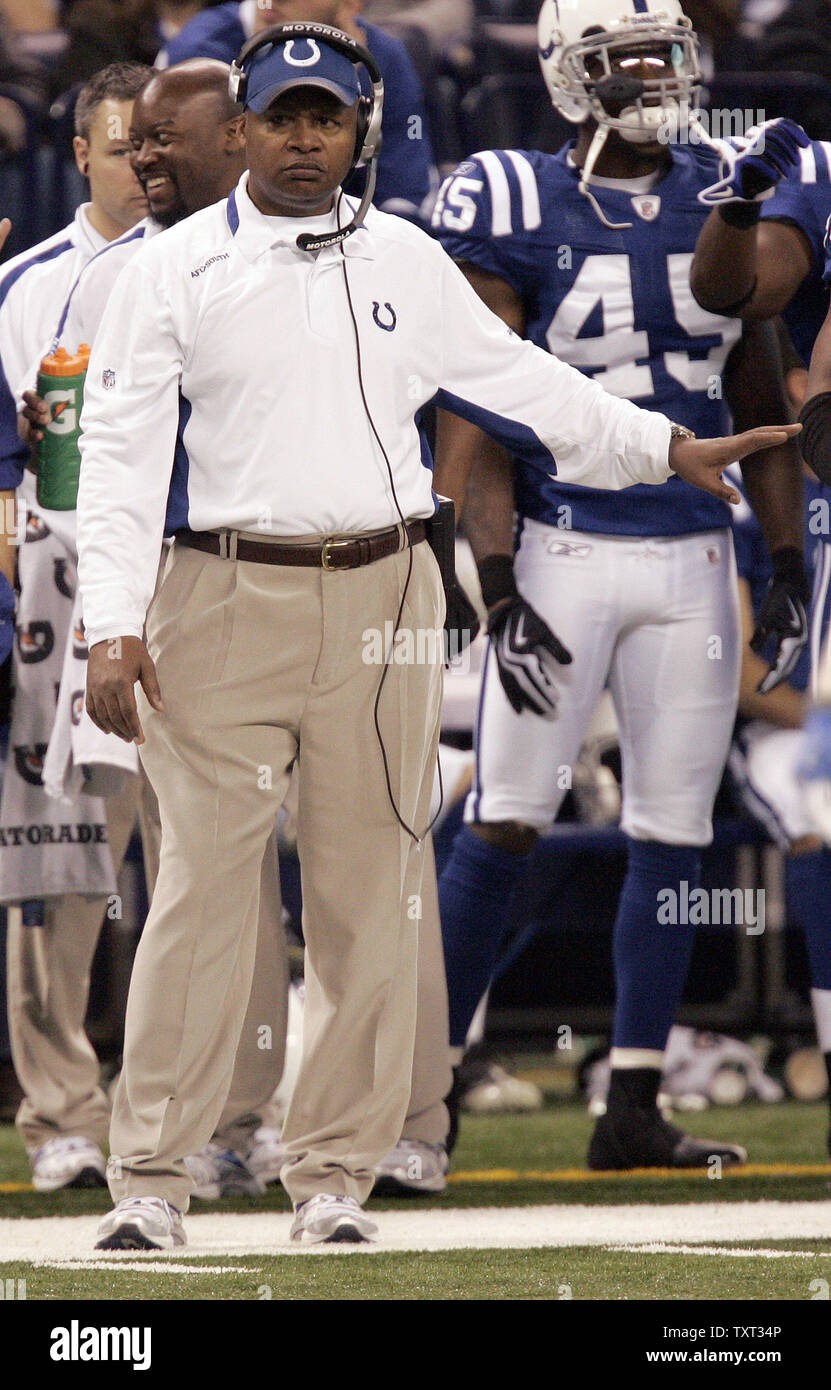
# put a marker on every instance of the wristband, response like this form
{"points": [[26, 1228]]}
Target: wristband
{"points": [[741, 215], [496, 577], [815, 439]]}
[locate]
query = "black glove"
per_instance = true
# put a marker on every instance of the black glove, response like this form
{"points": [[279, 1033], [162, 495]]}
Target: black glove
{"points": [[461, 624], [783, 616], [527, 652]]}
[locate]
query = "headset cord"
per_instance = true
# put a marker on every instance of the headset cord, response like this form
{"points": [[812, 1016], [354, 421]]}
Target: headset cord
{"points": [[417, 838]]}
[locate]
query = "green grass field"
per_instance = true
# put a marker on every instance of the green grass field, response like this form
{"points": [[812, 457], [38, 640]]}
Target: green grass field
{"points": [[508, 1162]]}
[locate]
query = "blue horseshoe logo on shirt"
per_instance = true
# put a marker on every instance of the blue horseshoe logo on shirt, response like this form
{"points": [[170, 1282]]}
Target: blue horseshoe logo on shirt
{"points": [[387, 327]]}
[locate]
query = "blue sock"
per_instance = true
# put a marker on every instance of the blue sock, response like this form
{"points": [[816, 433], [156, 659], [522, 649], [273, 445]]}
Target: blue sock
{"points": [[808, 892], [651, 959], [474, 900]]}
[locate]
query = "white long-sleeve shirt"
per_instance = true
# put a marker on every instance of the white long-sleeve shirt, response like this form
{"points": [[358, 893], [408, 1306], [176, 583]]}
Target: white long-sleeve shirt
{"points": [[33, 287], [224, 391]]}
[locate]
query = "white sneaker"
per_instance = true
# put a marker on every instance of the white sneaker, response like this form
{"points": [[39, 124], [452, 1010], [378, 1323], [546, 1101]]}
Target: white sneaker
{"points": [[141, 1223], [68, 1160], [413, 1166], [491, 1090], [219, 1173], [335, 1220], [266, 1155]]}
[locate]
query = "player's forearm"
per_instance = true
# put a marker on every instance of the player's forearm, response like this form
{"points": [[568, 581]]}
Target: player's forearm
{"points": [[784, 706], [819, 371], [815, 415], [756, 394], [725, 266], [488, 516], [456, 443]]}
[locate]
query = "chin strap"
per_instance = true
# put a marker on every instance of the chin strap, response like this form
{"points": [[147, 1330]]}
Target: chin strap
{"points": [[595, 150]]}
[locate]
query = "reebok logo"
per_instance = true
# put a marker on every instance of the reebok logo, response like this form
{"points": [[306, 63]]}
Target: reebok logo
{"points": [[200, 270], [76, 1343]]}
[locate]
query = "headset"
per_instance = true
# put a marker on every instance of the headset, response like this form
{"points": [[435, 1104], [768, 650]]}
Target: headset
{"points": [[370, 109]]}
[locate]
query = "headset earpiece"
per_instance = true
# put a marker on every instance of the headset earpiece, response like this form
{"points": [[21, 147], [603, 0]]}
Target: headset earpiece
{"points": [[364, 117], [238, 81]]}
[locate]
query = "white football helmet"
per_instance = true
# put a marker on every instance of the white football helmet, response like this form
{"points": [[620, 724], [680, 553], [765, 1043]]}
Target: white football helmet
{"points": [[584, 49], [570, 33]]}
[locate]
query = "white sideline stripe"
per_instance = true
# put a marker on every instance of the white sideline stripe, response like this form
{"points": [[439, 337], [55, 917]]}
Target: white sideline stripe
{"points": [[152, 1266], [221, 1234], [657, 1249]]}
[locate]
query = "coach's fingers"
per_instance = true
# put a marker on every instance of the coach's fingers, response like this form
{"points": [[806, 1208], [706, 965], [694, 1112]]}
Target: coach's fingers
{"points": [[129, 718], [150, 683], [96, 713], [118, 716], [5, 228], [738, 446], [105, 714]]}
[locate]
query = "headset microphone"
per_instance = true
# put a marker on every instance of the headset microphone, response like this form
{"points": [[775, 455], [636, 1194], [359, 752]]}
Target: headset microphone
{"points": [[307, 241]]}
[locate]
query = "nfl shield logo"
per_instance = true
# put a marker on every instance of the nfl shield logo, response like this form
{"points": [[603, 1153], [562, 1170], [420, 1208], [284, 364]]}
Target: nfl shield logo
{"points": [[646, 206], [108, 378]]}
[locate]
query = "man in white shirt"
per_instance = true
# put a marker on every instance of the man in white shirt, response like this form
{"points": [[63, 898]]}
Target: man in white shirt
{"points": [[187, 150], [64, 1116], [272, 389]]}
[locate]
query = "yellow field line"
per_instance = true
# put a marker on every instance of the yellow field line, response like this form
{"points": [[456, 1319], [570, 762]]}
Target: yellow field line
{"points": [[748, 1170], [509, 1175]]}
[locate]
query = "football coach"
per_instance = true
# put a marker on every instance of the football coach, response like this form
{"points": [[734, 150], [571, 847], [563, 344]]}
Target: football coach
{"points": [[253, 391]]}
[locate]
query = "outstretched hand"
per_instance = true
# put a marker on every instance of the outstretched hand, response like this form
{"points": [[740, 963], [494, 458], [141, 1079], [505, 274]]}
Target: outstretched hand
{"points": [[702, 461]]}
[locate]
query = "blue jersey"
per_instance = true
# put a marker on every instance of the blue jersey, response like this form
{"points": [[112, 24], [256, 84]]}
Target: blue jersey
{"points": [[406, 180], [753, 561], [14, 453], [804, 199], [615, 304]]}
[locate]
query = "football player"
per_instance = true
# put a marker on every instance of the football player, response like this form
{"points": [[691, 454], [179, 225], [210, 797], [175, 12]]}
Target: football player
{"points": [[588, 254], [763, 251]]}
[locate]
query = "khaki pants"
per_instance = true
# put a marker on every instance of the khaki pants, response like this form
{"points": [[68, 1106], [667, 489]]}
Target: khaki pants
{"points": [[427, 1117], [48, 989], [260, 665]]}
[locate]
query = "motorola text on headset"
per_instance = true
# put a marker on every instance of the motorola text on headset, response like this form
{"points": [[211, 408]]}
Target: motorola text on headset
{"points": [[370, 109]]}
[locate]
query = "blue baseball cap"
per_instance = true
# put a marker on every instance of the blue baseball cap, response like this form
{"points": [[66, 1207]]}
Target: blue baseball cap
{"points": [[300, 63]]}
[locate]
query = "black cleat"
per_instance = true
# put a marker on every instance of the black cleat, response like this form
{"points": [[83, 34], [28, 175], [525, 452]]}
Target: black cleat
{"points": [[88, 1177], [126, 1238], [346, 1235], [639, 1138]]}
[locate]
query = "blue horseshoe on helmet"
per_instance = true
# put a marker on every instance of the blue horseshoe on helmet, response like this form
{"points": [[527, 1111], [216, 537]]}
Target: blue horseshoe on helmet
{"points": [[387, 327]]}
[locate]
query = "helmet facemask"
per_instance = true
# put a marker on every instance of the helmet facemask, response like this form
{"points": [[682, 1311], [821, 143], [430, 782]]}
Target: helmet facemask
{"points": [[595, 73]]}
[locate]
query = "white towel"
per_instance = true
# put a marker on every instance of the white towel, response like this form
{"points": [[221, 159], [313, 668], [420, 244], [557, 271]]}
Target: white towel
{"points": [[48, 847], [79, 757]]}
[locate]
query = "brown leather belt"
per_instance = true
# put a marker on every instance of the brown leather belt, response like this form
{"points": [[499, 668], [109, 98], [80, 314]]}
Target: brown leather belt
{"points": [[334, 553]]}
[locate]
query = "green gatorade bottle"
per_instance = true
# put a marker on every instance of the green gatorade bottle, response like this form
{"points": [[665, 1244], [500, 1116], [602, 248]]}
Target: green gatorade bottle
{"points": [[61, 386]]}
